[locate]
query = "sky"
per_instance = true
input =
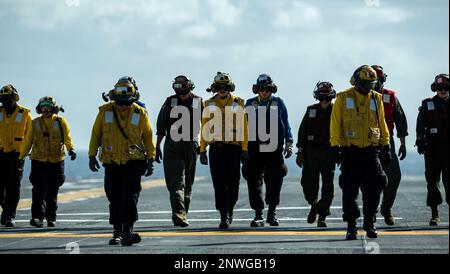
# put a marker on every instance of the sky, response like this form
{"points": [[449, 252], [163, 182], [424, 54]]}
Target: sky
{"points": [[74, 50]]}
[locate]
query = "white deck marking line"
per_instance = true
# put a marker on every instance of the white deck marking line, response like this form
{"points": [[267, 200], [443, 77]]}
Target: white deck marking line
{"points": [[190, 220], [190, 211]]}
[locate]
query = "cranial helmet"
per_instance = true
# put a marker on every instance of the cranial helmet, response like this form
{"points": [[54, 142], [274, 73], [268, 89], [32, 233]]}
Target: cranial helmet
{"points": [[264, 82], [381, 77], [222, 81], [124, 92], [364, 77], [441, 82], [48, 101], [324, 91], [182, 85], [9, 93]]}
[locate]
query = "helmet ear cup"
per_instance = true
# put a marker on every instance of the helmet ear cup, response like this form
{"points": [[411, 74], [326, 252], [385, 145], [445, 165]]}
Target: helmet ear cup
{"points": [[274, 89], [255, 89], [433, 87]]}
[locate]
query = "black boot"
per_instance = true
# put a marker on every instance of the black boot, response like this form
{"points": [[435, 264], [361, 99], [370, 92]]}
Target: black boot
{"points": [[259, 219], [230, 214], [369, 227], [3, 218], [272, 216], [321, 221], [10, 222], [129, 237], [352, 230], [224, 220], [117, 233], [435, 219], [51, 223], [37, 222], [312, 214]]}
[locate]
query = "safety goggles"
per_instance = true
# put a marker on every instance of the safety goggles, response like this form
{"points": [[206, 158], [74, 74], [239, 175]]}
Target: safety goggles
{"points": [[46, 104], [123, 90], [179, 85], [264, 88], [220, 87], [442, 87], [5, 91], [325, 86]]}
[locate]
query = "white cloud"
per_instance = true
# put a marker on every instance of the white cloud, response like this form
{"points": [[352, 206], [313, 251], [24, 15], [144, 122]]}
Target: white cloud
{"points": [[201, 30], [224, 12], [184, 51], [298, 14], [362, 18]]}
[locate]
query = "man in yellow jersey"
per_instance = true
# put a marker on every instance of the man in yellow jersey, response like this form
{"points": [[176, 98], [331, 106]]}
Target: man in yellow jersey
{"points": [[359, 138], [227, 135], [122, 129], [15, 122], [48, 139]]}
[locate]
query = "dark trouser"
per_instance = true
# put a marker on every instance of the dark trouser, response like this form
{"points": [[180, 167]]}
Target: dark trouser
{"points": [[319, 161], [436, 163], [179, 171], [267, 166], [122, 187], [394, 177], [361, 168], [10, 177], [225, 165], [46, 179]]}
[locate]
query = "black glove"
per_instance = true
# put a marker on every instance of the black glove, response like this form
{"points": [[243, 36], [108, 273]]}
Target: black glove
{"points": [[20, 164], [402, 152], [93, 164], [72, 155], [287, 150], [385, 156], [158, 156], [337, 154], [149, 170], [203, 158], [421, 146], [245, 157], [300, 158]]}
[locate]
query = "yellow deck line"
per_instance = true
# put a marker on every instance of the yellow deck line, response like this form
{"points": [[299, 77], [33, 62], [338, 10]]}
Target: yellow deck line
{"points": [[224, 233], [90, 193]]}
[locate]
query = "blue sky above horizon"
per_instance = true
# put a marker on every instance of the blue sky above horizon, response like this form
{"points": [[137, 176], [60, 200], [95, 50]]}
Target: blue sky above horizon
{"points": [[76, 49]]}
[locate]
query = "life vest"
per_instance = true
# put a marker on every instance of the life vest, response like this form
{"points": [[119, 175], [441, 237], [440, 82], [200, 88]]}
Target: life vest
{"points": [[361, 124], [318, 125], [436, 120], [389, 104], [48, 143], [232, 130], [115, 147], [274, 102], [13, 128], [194, 104]]}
